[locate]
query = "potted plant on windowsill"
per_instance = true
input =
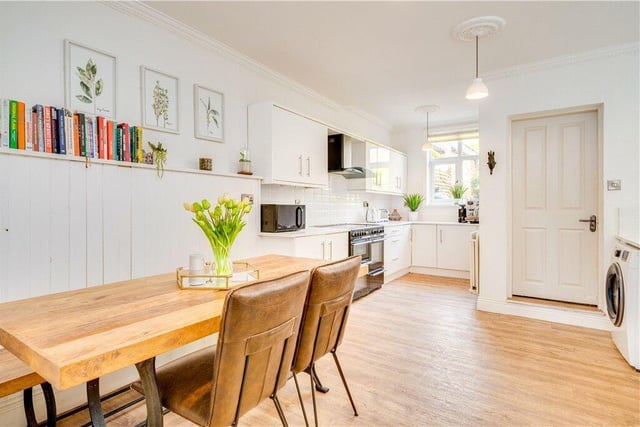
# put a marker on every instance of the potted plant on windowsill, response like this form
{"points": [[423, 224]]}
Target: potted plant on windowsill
{"points": [[457, 191], [413, 202], [244, 164]]}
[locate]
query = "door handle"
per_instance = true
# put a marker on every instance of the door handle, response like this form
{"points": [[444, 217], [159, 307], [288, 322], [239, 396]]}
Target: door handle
{"points": [[330, 250], [308, 166], [300, 165], [322, 244], [592, 223]]}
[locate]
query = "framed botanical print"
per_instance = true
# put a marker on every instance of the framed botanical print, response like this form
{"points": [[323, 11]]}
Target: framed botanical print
{"points": [[160, 94], [90, 80], [208, 107]]}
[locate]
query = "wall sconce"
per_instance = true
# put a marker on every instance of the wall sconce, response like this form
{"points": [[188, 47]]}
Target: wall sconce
{"points": [[491, 161]]}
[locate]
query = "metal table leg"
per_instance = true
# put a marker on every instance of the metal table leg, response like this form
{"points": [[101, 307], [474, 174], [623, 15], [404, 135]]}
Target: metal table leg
{"points": [[147, 372], [95, 407]]}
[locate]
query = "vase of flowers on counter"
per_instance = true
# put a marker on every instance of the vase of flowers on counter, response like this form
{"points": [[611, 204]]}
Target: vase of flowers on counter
{"points": [[221, 225], [413, 202]]}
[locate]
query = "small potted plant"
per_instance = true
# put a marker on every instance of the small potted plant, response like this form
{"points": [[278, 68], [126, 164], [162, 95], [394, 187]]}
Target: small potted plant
{"points": [[244, 164], [457, 191], [413, 202]]}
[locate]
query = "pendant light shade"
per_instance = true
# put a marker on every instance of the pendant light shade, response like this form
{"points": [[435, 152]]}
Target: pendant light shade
{"points": [[426, 109], [477, 90]]}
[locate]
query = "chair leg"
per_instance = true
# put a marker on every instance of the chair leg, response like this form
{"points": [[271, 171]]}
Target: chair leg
{"points": [[276, 402], [319, 386], [313, 397], [344, 381], [304, 413]]}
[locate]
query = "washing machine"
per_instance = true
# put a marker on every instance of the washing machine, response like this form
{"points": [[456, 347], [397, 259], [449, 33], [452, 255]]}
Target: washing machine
{"points": [[622, 290]]}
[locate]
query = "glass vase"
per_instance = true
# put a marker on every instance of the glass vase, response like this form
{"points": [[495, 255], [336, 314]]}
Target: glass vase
{"points": [[222, 264]]}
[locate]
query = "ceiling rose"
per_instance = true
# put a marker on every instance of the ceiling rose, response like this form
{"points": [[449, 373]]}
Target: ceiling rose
{"points": [[482, 26]]}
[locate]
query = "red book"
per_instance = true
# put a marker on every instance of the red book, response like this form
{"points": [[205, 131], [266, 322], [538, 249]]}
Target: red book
{"points": [[109, 138], [22, 135], [101, 127], [47, 129], [76, 135]]}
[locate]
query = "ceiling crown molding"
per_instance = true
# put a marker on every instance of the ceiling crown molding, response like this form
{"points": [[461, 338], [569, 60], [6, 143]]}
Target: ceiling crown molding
{"points": [[147, 13], [562, 61]]}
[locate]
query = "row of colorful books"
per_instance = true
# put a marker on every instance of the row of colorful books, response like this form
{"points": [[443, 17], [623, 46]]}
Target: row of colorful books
{"points": [[50, 129]]}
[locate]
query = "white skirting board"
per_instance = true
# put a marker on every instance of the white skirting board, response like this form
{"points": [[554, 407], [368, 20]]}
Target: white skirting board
{"points": [[567, 316], [460, 274]]}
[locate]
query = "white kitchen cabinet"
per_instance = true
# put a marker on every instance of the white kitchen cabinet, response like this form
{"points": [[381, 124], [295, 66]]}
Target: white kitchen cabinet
{"points": [[388, 170], [330, 247], [424, 245], [287, 148], [453, 246], [441, 246], [397, 249], [398, 172]]}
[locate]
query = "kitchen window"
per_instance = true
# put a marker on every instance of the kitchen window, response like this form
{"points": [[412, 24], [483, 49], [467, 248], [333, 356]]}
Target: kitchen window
{"points": [[453, 158]]}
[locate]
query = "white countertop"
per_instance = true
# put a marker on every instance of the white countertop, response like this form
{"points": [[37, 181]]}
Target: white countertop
{"points": [[318, 231]]}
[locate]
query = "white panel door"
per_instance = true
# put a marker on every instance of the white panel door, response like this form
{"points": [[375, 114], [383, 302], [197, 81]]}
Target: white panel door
{"points": [[555, 186], [311, 247]]}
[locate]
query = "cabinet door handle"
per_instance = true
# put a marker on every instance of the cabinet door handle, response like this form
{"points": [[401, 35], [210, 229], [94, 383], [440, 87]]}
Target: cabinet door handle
{"points": [[308, 166], [440, 236], [300, 165], [322, 244], [330, 250]]}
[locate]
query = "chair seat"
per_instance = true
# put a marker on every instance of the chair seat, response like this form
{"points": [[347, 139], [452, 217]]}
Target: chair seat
{"points": [[185, 385]]}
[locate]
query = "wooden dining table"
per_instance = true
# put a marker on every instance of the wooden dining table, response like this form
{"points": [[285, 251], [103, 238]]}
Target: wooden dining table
{"points": [[76, 337]]}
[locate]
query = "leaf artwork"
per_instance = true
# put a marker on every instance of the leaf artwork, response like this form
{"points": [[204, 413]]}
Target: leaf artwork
{"points": [[160, 104], [91, 88], [211, 114]]}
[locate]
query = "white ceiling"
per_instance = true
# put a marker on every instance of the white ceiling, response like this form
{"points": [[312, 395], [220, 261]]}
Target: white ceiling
{"points": [[387, 58]]}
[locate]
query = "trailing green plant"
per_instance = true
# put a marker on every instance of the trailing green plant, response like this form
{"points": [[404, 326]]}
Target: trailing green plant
{"points": [[413, 201], [457, 190], [159, 157]]}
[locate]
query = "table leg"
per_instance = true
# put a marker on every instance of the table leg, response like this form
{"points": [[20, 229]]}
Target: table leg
{"points": [[95, 407], [147, 371]]}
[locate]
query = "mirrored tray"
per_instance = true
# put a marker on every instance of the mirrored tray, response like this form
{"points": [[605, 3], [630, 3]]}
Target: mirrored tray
{"points": [[242, 273]]}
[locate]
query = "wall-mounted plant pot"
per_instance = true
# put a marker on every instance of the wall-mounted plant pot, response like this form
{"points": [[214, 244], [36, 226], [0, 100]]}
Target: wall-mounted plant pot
{"points": [[245, 168]]}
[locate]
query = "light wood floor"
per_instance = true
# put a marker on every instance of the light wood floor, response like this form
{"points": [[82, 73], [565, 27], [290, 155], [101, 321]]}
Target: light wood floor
{"points": [[417, 353]]}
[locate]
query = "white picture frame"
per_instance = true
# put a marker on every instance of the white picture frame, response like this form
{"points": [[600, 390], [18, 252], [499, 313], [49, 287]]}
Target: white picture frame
{"points": [[90, 80], [208, 109], [160, 97]]}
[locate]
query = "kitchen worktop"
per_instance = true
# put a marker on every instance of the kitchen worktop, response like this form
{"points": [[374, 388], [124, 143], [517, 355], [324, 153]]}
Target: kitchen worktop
{"points": [[343, 228]]}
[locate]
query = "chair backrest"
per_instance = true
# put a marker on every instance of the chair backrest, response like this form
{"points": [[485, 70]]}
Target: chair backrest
{"points": [[326, 310], [256, 344]]}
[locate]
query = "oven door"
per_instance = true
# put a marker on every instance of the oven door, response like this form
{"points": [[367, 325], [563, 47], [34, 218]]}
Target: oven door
{"points": [[362, 248], [375, 278]]}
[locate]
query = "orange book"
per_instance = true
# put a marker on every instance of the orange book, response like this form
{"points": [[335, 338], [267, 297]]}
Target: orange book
{"points": [[76, 135], [110, 130], [22, 134]]}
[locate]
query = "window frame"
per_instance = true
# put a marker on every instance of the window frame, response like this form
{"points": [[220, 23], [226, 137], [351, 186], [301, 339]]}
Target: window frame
{"points": [[457, 161]]}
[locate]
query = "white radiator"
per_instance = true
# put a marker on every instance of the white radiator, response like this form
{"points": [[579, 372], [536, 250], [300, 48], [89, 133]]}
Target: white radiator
{"points": [[474, 270]]}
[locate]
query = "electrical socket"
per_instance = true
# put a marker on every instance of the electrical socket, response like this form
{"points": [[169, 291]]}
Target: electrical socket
{"points": [[614, 185]]}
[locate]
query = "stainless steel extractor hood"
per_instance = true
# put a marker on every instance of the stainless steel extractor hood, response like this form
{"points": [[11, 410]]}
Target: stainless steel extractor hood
{"points": [[347, 157]]}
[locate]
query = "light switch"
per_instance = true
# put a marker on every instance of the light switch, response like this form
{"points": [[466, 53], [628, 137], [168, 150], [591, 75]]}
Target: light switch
{"points": [[614, 185]]}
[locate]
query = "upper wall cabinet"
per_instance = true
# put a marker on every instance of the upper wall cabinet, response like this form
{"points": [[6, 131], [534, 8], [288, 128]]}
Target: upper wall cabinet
{"points": [[387, 171], [287, 148]]}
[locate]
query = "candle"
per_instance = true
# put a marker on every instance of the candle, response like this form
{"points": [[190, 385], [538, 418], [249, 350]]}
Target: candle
{"points": [[196, 266]]}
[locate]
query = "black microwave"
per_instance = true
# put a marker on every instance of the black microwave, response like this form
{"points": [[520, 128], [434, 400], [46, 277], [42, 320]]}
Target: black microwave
{"points": [[280, 218]]}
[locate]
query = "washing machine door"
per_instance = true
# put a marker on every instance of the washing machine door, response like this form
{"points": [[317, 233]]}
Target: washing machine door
{"points": [[614, 289]]}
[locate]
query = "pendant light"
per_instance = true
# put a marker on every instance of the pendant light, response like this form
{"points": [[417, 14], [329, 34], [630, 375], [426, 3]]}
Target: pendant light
{"points": [[472, 30], [478, 89], [426, 109]]}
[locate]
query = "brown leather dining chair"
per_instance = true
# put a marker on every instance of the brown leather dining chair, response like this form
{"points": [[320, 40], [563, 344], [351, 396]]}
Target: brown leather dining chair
{"points": [[250, 362], [324, 321]]}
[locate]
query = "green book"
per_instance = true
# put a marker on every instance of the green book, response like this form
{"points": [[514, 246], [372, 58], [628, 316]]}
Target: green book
{"points": [[13, 123]]}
